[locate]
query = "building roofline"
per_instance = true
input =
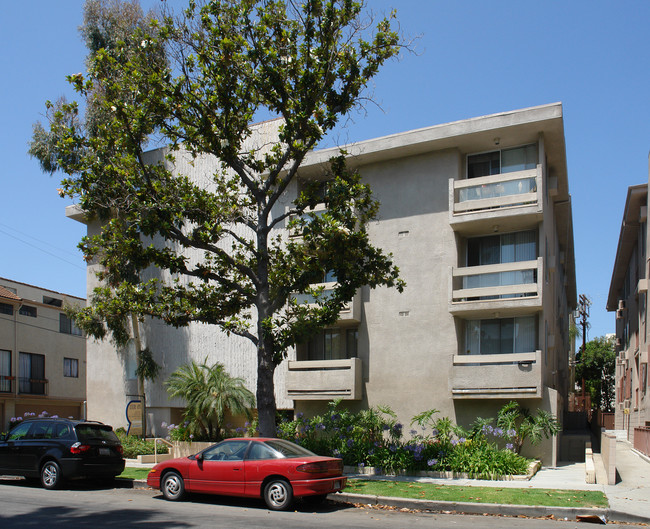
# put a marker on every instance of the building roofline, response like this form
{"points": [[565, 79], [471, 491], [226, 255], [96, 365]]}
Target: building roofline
{"points": [[40, 288], [626, 241]]}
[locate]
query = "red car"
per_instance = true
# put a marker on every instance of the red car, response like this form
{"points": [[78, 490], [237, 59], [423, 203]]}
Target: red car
{"points": [[274, 469]]}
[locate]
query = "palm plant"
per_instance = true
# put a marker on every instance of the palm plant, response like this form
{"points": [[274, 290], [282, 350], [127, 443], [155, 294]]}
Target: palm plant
{"points": [[210, 392], [522, 425]]}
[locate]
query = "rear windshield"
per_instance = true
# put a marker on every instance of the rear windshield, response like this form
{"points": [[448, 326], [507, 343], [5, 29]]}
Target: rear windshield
{"points": [[288, 449], [101, 432]]}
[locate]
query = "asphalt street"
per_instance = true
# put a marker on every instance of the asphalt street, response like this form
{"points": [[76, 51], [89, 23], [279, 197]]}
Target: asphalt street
{"points": [[25, 505]]}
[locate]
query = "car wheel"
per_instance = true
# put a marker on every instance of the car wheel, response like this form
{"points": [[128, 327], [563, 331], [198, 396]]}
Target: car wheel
{"points": [[278, 495], [172, 486], [51, 475]]}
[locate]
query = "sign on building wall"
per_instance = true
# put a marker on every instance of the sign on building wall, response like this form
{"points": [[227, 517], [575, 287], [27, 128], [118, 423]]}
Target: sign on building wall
{"points": [[134, 417]]}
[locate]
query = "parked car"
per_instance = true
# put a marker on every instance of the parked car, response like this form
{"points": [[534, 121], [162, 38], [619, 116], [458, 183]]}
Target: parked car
{"points": [[273, 469], [54, 449]]}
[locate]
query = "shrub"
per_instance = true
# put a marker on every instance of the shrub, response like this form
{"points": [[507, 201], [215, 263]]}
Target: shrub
{"points": [[375, 438], [134, 446]]}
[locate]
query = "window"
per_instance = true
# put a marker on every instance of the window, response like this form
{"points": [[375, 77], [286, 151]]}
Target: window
{"points": [[71, 367], [19, 432], [26, 310], [501, 336], [32, 374], [5, 371], [67, 326], [502, 161], [333, 344], [55, 302], [6, 308], [497, 249]]}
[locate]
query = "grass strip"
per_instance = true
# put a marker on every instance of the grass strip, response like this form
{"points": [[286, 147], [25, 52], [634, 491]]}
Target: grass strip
{"points": [[134, 473], [509, 496]]}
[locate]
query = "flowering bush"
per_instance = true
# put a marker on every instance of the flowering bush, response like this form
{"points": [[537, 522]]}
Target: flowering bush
{"points": [[375, 438]]}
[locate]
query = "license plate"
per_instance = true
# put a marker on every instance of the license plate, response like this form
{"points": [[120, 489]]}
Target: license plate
{"points": [[104, 451], [337, 485]]}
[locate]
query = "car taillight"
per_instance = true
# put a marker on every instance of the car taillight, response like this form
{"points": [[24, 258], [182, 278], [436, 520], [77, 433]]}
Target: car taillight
{"points": [[78, 448], [120, 449], [320, 466]]}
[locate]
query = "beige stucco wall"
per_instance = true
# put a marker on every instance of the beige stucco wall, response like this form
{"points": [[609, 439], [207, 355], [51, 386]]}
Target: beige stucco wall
{"points": [[40, 335]]}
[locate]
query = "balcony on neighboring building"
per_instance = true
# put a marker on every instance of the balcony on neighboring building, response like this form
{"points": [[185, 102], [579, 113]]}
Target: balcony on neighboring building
{"points": [[32, 386], [497, 376], [505, 201], [505, 288], [325, 379], [351, 311]]}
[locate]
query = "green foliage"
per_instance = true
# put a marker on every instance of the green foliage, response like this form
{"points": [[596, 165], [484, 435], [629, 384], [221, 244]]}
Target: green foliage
{"points": [[197, 82], [521, 425], [209, 392], [597, 365], [134, 446], [375, 438]]}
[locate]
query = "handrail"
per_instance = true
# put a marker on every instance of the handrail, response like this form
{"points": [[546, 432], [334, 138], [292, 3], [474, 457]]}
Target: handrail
{"points": [[155, 444]]}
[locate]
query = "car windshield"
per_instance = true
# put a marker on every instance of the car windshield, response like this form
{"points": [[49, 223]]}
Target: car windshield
{"points": [[288, 449], [87, 432]]}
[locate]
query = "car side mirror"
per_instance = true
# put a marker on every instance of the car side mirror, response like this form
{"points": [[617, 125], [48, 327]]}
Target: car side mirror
{"points": [[199, 456]]}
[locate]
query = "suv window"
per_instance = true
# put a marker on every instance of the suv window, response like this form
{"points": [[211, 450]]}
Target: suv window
{"points": [[19, 432], [41, 430], [87, 432]]}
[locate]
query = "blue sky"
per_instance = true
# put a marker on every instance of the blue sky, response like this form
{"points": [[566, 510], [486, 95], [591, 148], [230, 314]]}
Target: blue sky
{"points": [[472, 58]]}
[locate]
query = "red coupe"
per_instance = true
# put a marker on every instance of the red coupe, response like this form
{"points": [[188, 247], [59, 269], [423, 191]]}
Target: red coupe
{"points": [[274, 469]]}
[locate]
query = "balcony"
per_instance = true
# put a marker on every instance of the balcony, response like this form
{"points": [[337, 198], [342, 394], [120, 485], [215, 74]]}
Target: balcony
{"points": [[507, 200], [7, 384], [351, 311], [32, 386], [504, 288], [325, 380], [497, 376]]}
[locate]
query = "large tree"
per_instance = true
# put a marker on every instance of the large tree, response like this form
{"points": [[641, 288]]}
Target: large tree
{"points": [[597, 366], [227, 63]]}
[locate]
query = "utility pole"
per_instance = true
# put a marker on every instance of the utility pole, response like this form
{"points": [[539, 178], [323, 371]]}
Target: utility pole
{"points": [[583, 313]]}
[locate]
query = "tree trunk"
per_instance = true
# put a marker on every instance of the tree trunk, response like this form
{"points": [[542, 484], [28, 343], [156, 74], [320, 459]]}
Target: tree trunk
{"points": [[265, 389]]}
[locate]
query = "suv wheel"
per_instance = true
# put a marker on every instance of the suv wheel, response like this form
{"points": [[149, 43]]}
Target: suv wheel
{"points": [[51, 475]]}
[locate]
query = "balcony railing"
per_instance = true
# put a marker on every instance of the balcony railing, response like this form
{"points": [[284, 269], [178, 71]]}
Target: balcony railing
{"points": [[32, 386], [495, 196], [7, 384], [516, 284], [351, 311], [510, 375], [325, 379]]}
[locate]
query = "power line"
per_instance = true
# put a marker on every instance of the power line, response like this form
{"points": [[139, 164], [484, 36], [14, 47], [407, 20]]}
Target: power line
{"points": [[43, 250], [37, 239]]}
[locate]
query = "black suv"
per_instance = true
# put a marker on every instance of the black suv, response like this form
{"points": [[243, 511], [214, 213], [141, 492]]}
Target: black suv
{"points": [[55, 449]]}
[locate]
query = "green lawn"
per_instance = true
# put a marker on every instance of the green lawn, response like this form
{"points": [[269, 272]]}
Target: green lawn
{"points": [[134, 473], [511, 496]]}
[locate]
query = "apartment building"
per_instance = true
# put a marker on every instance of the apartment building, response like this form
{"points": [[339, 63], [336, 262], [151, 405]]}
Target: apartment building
{"points": [[628, 298], [477, 215], [42, 353]]}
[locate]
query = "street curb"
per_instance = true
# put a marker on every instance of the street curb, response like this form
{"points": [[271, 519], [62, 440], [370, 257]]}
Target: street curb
{"points": [[535, 511], [487, 508]]}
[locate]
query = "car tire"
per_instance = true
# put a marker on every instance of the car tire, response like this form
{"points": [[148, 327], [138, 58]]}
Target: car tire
{"points": [[278, 495], [51, 475], [172, 486]]}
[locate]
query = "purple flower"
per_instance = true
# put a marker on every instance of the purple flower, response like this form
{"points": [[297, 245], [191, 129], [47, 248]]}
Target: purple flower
{"points": [[413, 432], [299, 415], [393, 448], [164, 424], [434, 432], [432, 462], [386, 427], [512, 433], [510, 446], [247, 424], [462, 440], [454, 442], [350, 443], [498, 432], [191, 436], [336, 453]]}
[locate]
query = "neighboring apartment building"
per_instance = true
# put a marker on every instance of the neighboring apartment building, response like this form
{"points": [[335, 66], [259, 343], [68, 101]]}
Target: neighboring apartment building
{"points": [[477, 215], [42, 353], [628, 297]]}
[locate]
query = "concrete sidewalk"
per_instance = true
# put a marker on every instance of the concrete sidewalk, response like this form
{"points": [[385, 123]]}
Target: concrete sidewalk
{"points": [[629, 499]]}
